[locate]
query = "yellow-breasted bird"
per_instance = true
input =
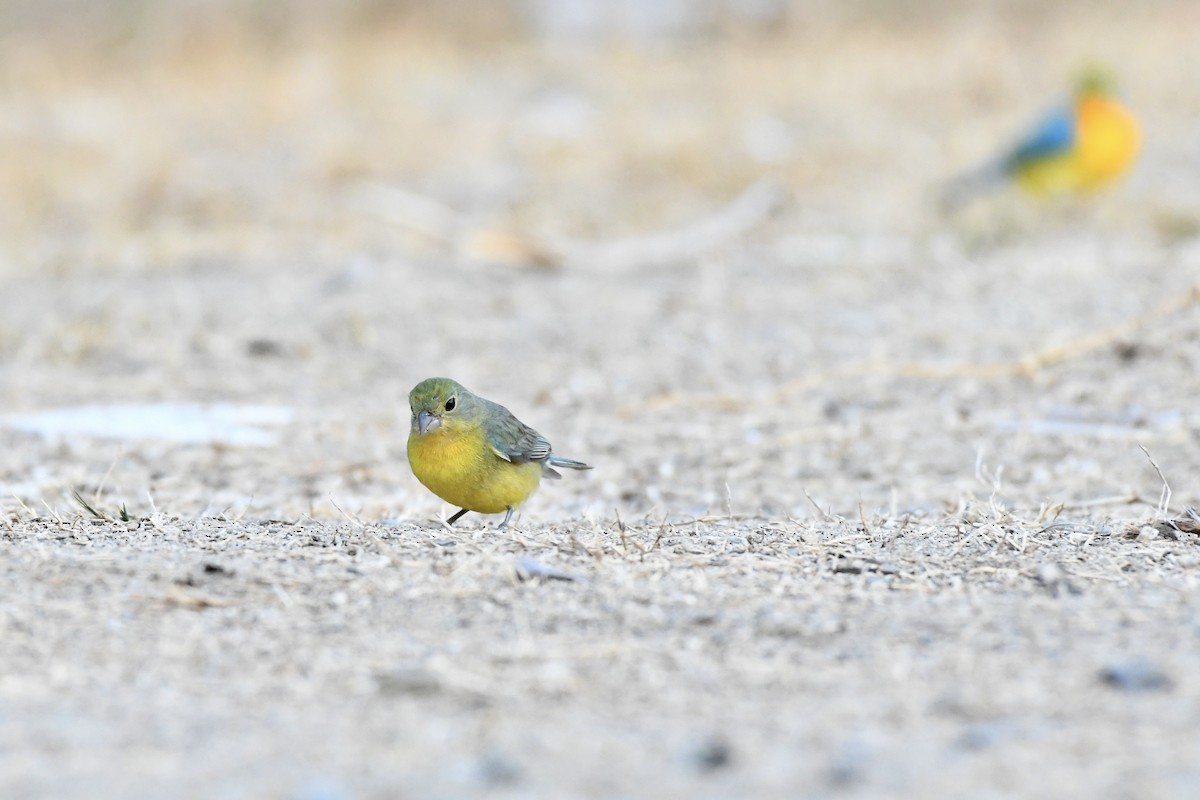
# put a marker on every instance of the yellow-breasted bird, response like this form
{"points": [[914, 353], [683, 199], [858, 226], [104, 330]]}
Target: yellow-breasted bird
{"points": [[1083, 146], [474, 453]]}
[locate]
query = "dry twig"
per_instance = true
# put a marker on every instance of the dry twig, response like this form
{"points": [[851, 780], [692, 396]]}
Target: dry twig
{"points": [[1024, 367]]}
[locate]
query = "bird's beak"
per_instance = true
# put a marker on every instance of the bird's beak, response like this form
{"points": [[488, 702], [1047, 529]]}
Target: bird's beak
{"points": [[426, 422]]}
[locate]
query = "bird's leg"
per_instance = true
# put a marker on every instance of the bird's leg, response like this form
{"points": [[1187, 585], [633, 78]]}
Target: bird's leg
{"points": [[456, 516], [507, 517]]}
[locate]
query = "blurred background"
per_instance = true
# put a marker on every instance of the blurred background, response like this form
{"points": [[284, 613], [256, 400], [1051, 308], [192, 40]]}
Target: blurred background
{"points": [[884, 516], [697, 241]]}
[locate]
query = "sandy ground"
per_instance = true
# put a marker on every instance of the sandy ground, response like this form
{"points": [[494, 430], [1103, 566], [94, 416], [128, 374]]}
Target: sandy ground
{"points": [[878, 504]]}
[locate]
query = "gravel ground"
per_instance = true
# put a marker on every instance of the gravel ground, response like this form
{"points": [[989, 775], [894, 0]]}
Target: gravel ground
{"points": [[886, 503]]}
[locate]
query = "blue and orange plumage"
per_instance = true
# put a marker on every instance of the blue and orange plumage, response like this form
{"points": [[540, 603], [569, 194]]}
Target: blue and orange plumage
{"points": [[1077, 149]]}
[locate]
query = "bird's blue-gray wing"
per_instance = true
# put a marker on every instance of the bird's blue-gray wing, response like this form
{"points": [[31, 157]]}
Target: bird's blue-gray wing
{"points": [[512, 439]]}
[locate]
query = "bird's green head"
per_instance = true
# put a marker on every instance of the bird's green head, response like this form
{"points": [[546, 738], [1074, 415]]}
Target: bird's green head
{"points": [[436, 402], [1095, 80]]}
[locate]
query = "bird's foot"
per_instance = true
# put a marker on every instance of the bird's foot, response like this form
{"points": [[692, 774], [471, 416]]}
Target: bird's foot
{"points": [[507, 517]]}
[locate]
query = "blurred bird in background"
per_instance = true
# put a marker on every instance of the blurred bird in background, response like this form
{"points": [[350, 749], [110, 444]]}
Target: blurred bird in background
{"points": [[1081, 147]]}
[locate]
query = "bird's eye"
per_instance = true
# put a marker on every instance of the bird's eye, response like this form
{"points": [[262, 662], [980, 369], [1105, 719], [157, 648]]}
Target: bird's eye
{"points": [[450, 404]]}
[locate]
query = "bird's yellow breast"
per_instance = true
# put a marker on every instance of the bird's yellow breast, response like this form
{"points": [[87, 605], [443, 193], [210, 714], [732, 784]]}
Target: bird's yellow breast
{"points": [[1108, 141], [456, 463]]}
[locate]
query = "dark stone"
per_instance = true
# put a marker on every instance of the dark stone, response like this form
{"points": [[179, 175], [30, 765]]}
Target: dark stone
{"points": [[1136, 675]]}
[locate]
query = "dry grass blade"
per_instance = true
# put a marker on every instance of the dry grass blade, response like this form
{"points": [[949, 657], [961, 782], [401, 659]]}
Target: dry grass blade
{"points": [[1164, 500]]}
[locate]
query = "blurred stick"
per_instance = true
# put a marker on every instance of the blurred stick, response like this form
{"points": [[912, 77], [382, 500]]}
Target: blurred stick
{"points": [[406, 209], [1023, 367], [450, 228], [455, 230], [686, 243]]}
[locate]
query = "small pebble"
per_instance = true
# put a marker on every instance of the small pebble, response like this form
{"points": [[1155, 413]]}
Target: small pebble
{"points": [[849, 763], [982, 735], [499, 769], [264, 348], [711, 754], [1054, 579], [413, 680], [1049, 574], [527, 569], [1136, 675], [704, 617], [848, 566]]}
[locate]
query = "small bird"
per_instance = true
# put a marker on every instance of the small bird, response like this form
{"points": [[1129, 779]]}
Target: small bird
{"points": [[1076, 149], [474, 453]]}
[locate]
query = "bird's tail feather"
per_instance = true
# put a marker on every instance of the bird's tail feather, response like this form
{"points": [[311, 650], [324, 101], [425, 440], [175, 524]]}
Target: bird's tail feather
{"points": [[559, 461]]}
